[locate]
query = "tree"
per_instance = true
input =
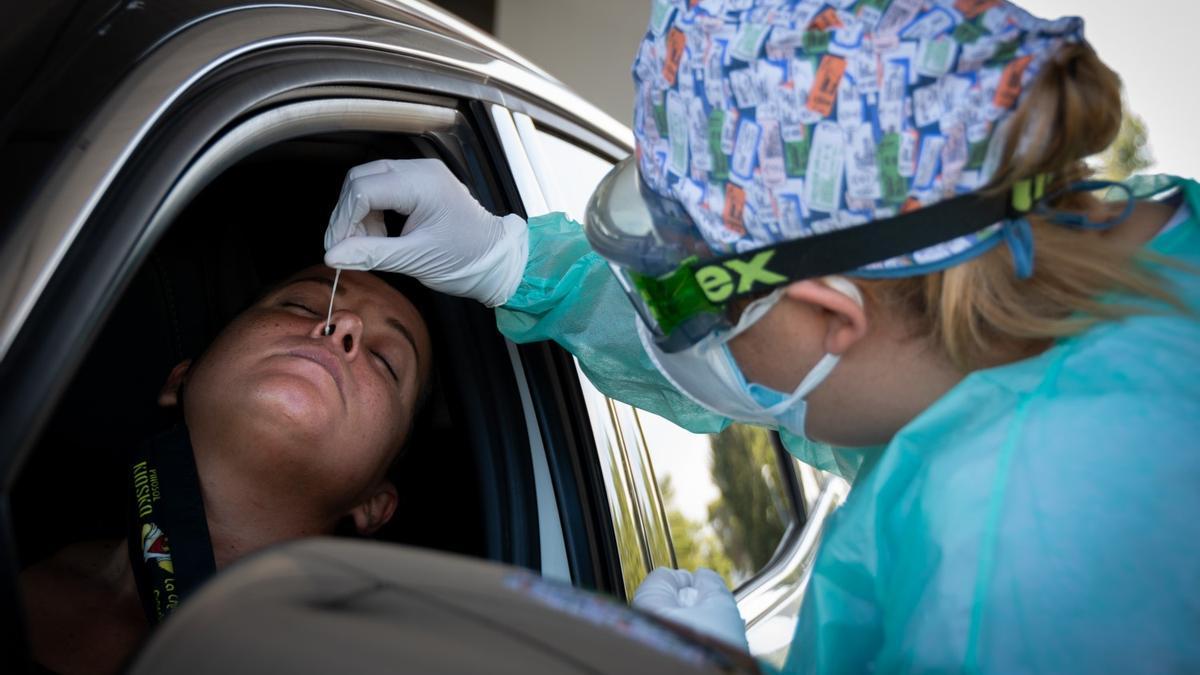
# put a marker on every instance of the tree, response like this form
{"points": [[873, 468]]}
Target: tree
{"points": [[1129, 153], [695, 544], [749, 516]]}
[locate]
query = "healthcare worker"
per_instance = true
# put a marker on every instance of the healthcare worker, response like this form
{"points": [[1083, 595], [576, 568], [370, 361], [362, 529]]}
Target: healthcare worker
{"points": [[868, 225]]}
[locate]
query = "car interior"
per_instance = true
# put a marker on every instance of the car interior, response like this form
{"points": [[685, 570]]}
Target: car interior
{"points": [[464, 473]]}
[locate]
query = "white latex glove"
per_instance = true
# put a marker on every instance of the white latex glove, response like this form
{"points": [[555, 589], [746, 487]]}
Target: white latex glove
{"points": [[450, 243], [699, 601]]}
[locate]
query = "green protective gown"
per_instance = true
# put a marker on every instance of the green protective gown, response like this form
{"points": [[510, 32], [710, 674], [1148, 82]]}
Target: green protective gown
{"points": [[1042, 516]]}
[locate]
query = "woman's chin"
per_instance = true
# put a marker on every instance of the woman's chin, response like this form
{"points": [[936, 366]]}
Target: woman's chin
{"points": [[293, 407]]}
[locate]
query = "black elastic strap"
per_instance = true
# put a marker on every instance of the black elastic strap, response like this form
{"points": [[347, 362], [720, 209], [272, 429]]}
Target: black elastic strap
{"points": [[169, 545], [854, 247]]}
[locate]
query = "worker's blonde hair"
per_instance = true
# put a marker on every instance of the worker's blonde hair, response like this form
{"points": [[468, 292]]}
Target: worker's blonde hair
{"points": [[980, 313]]}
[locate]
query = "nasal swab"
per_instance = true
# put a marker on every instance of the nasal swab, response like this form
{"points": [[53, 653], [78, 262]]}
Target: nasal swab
{"points": [[329, 315]]}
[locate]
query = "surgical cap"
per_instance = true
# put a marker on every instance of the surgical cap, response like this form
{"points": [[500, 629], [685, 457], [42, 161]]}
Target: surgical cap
{"points": [[772, 120]]}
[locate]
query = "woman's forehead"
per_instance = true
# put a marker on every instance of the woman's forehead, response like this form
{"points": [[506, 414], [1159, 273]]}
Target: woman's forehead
{"points": [[356, 283]]}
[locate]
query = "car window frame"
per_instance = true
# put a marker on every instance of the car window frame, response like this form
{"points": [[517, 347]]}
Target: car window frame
{"points": [[636, 517], [124, 202], [555, 564]]}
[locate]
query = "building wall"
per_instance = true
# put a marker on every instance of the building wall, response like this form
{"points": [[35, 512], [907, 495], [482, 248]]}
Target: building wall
{"points": [[482, 13], [588, 44]]}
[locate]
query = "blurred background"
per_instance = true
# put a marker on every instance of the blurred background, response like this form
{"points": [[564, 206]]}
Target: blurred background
{"points": [[589, 45]]}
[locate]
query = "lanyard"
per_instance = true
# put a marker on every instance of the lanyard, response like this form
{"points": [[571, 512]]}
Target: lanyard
{"points": [[169, 546]]}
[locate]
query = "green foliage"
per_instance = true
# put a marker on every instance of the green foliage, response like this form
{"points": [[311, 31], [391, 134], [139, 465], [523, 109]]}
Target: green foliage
{"points": [[750, 516], [694, 546], [1129, 152], [747, 522]]}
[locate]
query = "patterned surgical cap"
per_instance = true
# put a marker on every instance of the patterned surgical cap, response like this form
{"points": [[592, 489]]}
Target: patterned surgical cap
{"points": [[771, 120]]}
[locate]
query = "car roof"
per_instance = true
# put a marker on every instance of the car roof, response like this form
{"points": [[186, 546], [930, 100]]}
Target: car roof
{"points": [[62, 59], [84, 46], [46, 38]]}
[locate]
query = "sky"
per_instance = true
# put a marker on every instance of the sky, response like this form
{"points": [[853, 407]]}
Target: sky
{"points": [[1153, 47], [685, 457]]}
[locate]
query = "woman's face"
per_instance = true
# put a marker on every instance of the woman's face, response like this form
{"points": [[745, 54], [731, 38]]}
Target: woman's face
{"points": [[782, 348], [324, 412], [886, 374]]}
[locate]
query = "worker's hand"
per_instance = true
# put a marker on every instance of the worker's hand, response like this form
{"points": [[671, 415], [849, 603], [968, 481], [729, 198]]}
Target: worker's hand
{"points": [[450, 243], [699, 601]]}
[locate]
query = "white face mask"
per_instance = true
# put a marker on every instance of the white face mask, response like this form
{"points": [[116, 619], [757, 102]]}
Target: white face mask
{"points": [[708, 374]]}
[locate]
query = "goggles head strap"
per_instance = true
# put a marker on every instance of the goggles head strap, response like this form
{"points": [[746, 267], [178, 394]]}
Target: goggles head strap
{"points": [[697, 286]]}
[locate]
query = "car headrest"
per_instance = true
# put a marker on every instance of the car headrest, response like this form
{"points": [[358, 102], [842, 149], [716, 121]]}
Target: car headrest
{"points": [[329, 605]]}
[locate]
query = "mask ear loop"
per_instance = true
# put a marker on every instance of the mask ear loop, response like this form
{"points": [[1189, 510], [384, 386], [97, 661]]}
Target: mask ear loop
{"points": [[1077, 220], [750, 315], [1018, 234], [820, 372]]}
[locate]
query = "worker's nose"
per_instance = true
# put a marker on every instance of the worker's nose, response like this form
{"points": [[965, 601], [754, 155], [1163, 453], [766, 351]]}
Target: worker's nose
{"points": [[345, 333]]}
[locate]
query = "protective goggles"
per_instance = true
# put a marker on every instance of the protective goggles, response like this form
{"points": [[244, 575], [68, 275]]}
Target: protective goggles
{"points": [[683, 291]]}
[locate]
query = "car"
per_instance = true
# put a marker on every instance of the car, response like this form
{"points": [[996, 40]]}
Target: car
{"points": [[162, 160]]}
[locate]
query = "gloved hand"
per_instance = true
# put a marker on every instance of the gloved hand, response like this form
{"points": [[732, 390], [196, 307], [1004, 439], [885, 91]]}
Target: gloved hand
{"points": [[699, 601], [450, 243]]}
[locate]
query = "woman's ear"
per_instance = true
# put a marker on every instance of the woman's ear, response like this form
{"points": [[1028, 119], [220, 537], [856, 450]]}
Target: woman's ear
{"points": [[847, 319], [376, 510], [168, 397]]}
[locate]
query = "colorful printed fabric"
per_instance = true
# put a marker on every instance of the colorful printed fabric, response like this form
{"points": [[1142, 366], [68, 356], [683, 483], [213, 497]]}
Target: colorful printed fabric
{"points": [[771, 120]]}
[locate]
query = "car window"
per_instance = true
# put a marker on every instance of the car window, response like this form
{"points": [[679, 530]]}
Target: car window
{"points": [[725, 497], [569, 191], [622, 502]]}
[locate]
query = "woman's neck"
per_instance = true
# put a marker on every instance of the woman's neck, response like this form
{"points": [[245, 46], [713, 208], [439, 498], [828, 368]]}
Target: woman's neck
{"points": [[1143, 224], [891, 374]]}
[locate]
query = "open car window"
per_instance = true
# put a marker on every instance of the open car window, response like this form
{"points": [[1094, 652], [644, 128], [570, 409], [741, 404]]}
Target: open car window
{"points": [[725, 497], [283, 169]]}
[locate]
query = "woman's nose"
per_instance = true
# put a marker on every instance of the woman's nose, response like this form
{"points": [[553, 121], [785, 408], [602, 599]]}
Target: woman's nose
{"points": [[344, 332]]}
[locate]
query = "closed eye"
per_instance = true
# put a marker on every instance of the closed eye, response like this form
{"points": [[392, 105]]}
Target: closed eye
{"points": [[387, 365], [300, 306]]}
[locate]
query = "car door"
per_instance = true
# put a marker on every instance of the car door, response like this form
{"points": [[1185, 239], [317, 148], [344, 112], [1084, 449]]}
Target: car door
{"points": [[735, 501]]}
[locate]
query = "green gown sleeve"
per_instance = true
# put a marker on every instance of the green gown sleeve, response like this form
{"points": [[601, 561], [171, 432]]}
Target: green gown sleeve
{"points": [[569, 295]]}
